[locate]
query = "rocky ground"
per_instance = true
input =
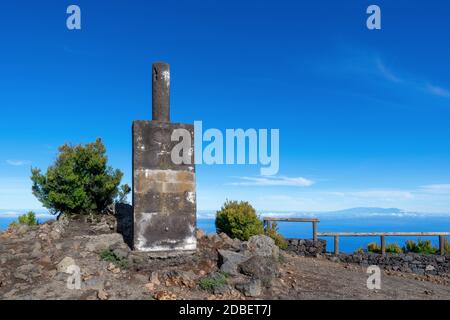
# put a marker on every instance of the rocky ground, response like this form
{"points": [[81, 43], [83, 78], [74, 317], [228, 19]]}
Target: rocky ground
{"points": [[41, 263]]}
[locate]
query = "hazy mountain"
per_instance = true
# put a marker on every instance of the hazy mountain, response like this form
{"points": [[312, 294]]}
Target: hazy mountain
{"points": [[338, 214], [366, 211]]}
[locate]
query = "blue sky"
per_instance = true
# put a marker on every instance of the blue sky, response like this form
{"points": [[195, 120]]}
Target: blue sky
{"points": [[363, 115]]}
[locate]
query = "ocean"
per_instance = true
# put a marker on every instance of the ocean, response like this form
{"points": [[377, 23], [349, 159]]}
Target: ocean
{"points": [[329, 223], [6, 217], [360, 224]]}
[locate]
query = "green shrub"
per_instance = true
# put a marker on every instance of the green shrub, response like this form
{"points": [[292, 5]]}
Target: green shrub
{"points": [[373, 247], [446, 246], [79, 182], [238, 220], [28, 219], [272, 231], [410, 246], [110, 256], [422, 246], [359, 251], [425, 246], [212, 282], [393, 248]]}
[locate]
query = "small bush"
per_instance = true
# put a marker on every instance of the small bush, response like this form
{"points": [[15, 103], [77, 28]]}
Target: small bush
{"points": [[359, 251], [410, 246], [446, 246], [238, 220], [213, 282], [393, 248], [79, 182], [28, 219], [422, 246], [272, 231], [425, 246], [110, 256], [373, 247]]}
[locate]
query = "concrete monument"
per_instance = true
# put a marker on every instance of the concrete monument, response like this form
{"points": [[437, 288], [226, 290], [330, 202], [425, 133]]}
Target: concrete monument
{"points": [[164, 198]]}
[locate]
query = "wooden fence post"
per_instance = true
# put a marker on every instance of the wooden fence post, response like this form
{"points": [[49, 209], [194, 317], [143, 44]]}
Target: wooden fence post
{"points": [[314, 225], [383, 245], [442, 245], [336, 245]]}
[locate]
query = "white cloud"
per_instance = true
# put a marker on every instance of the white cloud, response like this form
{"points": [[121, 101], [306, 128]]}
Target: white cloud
{"points": [[274, 181], [18, 163], [436, 188]]}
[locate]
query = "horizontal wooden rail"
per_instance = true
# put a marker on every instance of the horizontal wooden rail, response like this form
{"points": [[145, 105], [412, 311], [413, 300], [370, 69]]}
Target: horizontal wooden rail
{"points": [[314, 221], [387, 234], [292, 219], [383, 236]]}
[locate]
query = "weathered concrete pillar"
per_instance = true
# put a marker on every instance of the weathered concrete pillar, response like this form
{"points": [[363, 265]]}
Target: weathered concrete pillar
{"points": [[164, 197]]}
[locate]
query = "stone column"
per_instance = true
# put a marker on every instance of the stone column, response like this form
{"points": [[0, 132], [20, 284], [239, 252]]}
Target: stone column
{"points": [[161, 91]]}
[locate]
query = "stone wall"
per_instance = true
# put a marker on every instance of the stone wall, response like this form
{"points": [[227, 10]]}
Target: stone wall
{"points": [[423, 264], [307, 248]]}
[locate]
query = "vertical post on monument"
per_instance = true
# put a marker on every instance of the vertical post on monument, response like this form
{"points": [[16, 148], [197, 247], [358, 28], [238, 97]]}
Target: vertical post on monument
{"points": [[164, 197], [161, 92]]}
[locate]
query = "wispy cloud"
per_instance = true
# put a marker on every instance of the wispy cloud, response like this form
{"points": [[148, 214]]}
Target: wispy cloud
{"points": [[274, 181], [385, 72], [18, 163], [438, 91], [365, 64], [413, 82]]}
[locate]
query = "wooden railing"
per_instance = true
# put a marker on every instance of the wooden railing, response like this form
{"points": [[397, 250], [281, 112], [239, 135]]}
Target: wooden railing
{"points": [[383, 236], [314, 221]]}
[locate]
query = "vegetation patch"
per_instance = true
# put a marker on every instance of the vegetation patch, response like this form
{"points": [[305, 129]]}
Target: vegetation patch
{"points": [[373, 247], [28, 219], [110, 256], [421, 246], [411, 246], [393, 248], [239, 220], [79, 182], [390, 248], [272, 232], [212, 282]]}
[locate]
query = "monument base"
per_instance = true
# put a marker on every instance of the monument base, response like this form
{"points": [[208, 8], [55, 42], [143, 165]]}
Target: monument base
{"points": [[164, 198]]}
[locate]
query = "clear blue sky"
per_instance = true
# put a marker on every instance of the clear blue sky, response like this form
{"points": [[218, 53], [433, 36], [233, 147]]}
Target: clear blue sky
{"points": [[363, 115]]}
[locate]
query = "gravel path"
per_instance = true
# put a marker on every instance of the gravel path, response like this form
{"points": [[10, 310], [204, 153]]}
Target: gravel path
{"points": [[311, 278]]}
